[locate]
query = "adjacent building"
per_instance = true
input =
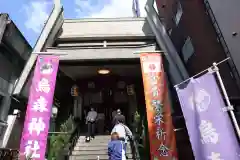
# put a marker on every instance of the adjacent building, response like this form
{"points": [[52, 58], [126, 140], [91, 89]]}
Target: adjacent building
{"points": [[202, 33], [14, 52]]}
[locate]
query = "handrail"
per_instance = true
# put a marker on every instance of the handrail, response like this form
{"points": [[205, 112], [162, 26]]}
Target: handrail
{"points": [[134, 148], [74, 138]]}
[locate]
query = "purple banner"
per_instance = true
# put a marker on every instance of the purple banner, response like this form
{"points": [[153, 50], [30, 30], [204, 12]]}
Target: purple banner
{"points": [[209, 127], [36, 125]]}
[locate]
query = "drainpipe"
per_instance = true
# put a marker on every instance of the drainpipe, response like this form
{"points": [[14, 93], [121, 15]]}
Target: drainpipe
{"points": [[177, 70]]}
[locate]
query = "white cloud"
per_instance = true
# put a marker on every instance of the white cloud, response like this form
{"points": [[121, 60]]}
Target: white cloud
{"points": [[36, 12], [116, 8]]}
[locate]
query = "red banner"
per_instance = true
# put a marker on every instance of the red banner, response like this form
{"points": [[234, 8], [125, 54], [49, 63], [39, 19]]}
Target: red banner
{"points": [[161, 131]]}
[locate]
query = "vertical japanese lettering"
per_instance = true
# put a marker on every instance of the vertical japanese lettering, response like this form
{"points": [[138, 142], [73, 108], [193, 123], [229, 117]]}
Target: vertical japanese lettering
{"points": [[32, 147], [160, 134], [43, 86], [40, 105], [164, 150], [36, 125]]}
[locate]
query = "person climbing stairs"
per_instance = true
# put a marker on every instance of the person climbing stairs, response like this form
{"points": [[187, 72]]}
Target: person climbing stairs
{"points": [[97, 149]]}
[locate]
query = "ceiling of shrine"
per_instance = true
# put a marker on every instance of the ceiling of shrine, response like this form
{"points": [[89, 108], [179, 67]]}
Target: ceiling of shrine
{"points": [[79, 72]]}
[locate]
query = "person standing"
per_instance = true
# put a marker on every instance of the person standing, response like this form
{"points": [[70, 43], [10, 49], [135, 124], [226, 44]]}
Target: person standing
{"points": [[119, 118], [124, 133], [91, 121], [116, 148]]}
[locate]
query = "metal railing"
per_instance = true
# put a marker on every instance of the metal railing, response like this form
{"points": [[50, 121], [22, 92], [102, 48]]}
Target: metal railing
{"points": [[134, 148], [74, 138]]}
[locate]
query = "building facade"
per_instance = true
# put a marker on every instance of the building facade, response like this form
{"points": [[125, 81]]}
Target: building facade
{"points": [[114, 39], [199, 39], [14, 52], [183, 29]]}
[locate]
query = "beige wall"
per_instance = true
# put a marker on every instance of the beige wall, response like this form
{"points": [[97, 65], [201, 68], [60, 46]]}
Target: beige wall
{"points": [[115, 27]]}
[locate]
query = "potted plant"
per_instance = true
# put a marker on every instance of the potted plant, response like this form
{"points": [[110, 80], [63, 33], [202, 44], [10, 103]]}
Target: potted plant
{"points": [[60, 142]]}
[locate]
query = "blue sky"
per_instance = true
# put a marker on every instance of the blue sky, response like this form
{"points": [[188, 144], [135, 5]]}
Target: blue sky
{"points": [[30, 15]]}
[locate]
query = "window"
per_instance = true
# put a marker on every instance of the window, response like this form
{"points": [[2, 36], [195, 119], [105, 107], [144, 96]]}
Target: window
{"points": [[179, 13], [187, 49]]}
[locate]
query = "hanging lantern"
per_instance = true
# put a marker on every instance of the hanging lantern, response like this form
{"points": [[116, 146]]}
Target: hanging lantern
{"points": [[74, 91], [121, 84], [91, 85], [130, 90]]}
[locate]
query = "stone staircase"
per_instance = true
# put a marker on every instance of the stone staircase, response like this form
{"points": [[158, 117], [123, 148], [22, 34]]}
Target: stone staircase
{"points": [[94, 150]]}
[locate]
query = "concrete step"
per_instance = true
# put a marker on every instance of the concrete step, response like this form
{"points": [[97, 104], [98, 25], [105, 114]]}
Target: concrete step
{"points": [[93, 148], [95, 158], [92, 157], [91, 144], [100, 145], [94, 141], [93, 152], [97, 137]]}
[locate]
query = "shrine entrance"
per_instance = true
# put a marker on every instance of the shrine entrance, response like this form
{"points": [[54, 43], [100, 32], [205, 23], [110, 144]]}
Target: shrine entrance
{"points": [[106, 86]]}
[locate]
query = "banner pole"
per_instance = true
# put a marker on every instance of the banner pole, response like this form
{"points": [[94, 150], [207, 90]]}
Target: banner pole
{"points": [[216, 69], [206, 70]]}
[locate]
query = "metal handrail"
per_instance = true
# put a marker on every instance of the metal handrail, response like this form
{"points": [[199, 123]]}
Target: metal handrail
{"points": [[134, 147], [74, 138]]}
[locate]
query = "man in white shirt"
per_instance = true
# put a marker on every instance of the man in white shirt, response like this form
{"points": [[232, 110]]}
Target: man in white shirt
{"points": [[124, 133]]}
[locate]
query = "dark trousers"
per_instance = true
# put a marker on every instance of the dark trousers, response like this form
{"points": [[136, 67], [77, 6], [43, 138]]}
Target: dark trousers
{"points": [[91, 129]]}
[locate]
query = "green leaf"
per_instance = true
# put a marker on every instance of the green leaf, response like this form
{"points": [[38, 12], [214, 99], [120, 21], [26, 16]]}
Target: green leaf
{"points": [[58, 142]]}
